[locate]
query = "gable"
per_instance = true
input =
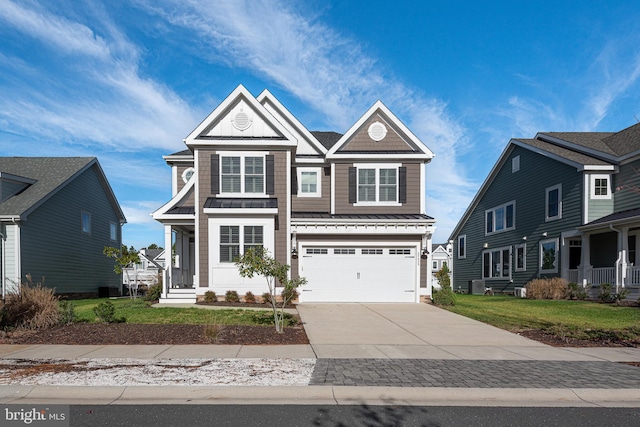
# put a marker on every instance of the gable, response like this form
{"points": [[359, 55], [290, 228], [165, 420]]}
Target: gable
{"points": [[379, 133], [240, 119]]}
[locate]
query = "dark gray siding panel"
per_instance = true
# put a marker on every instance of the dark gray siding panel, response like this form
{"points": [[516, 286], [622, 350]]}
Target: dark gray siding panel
{"points": [[54, 246], [527, 187], [626, 187]]}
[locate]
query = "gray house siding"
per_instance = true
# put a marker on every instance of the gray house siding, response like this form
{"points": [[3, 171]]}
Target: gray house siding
{"points": [[527, 189], [626, 185], [72, 261], [597, 208], [313, 204]]}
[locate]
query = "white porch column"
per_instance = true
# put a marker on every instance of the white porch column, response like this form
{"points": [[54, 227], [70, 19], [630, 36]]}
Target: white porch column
{"points": [[168, 261], [585, 260], [624, 256]]}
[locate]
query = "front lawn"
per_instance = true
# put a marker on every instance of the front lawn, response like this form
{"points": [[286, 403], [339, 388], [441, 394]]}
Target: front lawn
{"points": [[138, 311], [563, 318]]}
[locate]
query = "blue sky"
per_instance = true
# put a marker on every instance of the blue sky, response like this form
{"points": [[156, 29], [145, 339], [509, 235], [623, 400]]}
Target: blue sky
{"points": [[126, 81]]}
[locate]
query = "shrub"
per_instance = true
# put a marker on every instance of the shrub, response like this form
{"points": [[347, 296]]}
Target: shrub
{"points": [[211, 332], [289, 294], [106, 313], [444, 296], [154, 292], [232, 296], [266, 298], [210, 297], [604, 293], [249, 297], [554, 288], [67, 312], [576, 292], [33, 307]]}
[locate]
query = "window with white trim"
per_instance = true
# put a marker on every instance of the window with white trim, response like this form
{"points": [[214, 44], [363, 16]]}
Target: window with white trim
{"points": [[553, 203], [515, 164], [377, 184], [113, 231], [462, 246], [496, 263], [521, 257], [309, 182], [251, 236], [600, 186], [501, 218], [549, 256], [242, 174]]}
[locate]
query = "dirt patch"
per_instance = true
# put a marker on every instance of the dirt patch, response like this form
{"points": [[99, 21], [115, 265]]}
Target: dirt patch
{"points": [[556, 341], [132, 334]]}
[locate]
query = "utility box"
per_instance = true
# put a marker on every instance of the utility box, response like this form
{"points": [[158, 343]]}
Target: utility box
{"points": [[520, 292], [476, 287]]}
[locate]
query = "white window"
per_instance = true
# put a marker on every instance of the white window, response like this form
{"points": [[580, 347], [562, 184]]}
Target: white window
{"points": [[113, 231], [515, 164], [501, 218], [187, 174], [309, 184], [317, 251], [496, 263], [435, 265], [521, 257], [462, 246], [371, 251], [242, 174], [553, 203], [549, 256], [86, 222], [377, 184], [231, 236], [600, 187]]}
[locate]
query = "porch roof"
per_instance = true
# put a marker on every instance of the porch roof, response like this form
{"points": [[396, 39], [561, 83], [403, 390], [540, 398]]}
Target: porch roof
{"points": [[374, 217], [182, 210], [240, 203], [628, 216]]}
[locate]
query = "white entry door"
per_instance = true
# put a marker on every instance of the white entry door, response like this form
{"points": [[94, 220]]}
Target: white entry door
{"points": [[358, 274]]}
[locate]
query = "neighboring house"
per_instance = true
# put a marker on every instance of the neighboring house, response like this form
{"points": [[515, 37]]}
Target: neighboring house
{"points": [[562, 204], [56, 216], [345, 211], [440, 256], [147, 272]]}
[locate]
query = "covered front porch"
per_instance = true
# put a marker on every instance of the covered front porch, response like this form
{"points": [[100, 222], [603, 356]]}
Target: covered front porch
{"points": [[608, 255]]}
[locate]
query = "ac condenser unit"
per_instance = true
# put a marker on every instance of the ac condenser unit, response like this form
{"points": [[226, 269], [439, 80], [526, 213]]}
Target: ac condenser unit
{"points": [[476, 287]]}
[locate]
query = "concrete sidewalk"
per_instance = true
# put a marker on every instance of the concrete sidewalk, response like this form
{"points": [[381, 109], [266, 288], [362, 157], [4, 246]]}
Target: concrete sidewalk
{"points": [[401, 354]]}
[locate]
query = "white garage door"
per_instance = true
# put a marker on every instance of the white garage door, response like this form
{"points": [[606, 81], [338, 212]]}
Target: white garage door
{"points": [[339, 274]]}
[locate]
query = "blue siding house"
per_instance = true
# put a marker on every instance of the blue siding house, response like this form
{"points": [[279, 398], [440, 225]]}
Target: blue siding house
{"points": [[563, 204], [56, 216]]}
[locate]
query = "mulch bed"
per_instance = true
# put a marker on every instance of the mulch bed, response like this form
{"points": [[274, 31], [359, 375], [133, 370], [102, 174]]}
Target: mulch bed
{"points": [[130, 334], [242, 304], [556, 341]]}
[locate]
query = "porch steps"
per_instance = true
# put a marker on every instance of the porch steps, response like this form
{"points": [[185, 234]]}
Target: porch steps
{"points": [[179, 296]]}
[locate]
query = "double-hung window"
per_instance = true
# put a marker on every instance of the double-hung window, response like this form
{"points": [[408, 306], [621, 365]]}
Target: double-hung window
{"points": [[501, 218], [242, 174], [309, 182], [235, 239], [549, 256], [521, 257], [600, 187], [553, 203], [496, 263], [462, 246], [377, 184]]}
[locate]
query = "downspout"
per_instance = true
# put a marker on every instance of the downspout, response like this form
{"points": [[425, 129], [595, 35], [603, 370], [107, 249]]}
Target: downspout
{"points": [[2, 263], [619, 260]]}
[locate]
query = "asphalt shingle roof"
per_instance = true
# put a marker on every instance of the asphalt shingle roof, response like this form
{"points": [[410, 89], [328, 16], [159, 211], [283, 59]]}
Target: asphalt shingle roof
{"points": [[50, 174], [563, 152], [327, 139]]}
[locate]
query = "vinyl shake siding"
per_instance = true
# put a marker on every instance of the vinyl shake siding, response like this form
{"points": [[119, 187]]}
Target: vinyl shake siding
{"points": [[526, 188]]}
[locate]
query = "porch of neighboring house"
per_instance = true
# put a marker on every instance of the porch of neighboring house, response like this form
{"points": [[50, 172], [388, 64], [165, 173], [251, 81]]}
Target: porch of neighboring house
{"points": [[179, 281], [604, 254]]}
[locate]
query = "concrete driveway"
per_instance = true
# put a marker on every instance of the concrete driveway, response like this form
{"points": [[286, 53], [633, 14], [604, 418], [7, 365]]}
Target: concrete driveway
{"points": [[410, 331]]}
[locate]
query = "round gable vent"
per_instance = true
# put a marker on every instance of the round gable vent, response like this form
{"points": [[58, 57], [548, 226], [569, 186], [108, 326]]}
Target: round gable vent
{"points": [[377, 131], [241, 121]]}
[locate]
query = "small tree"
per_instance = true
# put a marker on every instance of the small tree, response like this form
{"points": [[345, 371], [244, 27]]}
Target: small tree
{"points": [[443, 276], [257, 261], [445, 295], [124, 258]]}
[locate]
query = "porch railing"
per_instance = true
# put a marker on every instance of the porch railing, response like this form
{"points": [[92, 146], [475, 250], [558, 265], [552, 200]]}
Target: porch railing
{"points": [[572, 276], [598, 276], [633, 276]]}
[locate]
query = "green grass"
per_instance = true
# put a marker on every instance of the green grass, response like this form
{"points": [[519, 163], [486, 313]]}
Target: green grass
{"points": [[576, 319], [138, 311]]}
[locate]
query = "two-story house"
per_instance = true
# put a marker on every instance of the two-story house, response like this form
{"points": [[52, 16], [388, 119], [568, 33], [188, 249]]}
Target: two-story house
{"points": [[346, 211], [440, 256], [56, 216], [562, 204]]}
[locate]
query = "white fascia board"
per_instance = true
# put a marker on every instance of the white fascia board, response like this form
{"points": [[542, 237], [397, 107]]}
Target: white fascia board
{"points": [[242, 144], [267, 96], [178, 158], [158, 214], [379, 105], [240, 211], [181, 217], [307, 160], [613, 168], [239, 91], [384, 156]]}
